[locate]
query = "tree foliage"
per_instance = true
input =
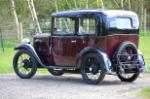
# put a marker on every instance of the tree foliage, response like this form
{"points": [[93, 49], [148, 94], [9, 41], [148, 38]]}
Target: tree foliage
{"points": [[45, 7]]}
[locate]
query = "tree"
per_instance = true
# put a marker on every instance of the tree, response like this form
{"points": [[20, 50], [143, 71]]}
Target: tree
{"points": [[102, 4], [15, 17], [34, 16], [45, 7], [122, 4], [129, 4]]}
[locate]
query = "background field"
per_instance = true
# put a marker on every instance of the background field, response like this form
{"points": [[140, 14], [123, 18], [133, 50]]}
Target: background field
{"points": [[145, 93], [7, 56]]}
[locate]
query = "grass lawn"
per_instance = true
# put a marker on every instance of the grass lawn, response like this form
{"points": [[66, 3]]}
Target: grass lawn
{"points": [[145, 93], [7, 56], [6, 60], [145, 49]]}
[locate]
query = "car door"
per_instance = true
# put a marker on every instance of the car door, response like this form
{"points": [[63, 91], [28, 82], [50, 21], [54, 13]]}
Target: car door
{"points": [[64, 43]]}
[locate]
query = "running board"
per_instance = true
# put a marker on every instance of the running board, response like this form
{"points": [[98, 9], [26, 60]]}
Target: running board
{"points": [[59, 67]]}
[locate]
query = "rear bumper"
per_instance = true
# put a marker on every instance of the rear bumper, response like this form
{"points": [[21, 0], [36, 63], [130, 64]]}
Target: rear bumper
{"points": [[132, 63]]}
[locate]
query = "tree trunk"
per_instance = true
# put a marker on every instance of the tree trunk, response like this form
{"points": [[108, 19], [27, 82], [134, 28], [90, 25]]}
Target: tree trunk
{"points": [[67, 4], [98, 3], [1, 40], [16, 17], [75, 3], [145, 22], [102, 4], [129, 4], [87, 22], [56, 5], [21, 31], [122, 4], [142, 14], [34, 16]]}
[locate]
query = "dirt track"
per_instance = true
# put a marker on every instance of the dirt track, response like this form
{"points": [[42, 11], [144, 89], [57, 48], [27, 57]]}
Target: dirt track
{"points": [[45, 86]]}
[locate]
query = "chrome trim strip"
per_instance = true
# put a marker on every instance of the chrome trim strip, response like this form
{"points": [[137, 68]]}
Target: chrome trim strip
{"points": [[78, 36]]}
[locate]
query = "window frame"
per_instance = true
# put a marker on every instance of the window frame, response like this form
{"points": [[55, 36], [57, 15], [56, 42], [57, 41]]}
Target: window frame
{"points": [[121, 17], [53, 26], [88, 16]]}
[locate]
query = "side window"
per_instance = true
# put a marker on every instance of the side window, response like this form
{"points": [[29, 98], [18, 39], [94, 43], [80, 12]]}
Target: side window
{"points": [[87, 26], [64, 26]]}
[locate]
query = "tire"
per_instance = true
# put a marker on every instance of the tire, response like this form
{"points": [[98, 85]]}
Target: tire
{"points": [[92, 63], [56, 72], [131, 79], [133, 50], [28, 64]]}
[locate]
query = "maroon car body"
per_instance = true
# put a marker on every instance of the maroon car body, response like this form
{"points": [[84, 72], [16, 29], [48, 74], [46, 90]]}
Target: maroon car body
{"points": [[99, 35], [65, 50]]}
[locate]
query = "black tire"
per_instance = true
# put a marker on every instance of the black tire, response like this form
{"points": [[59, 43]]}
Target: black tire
{"points": [[131, 79], [56, 72], [92, 63], [133, 48], [32, 66]]}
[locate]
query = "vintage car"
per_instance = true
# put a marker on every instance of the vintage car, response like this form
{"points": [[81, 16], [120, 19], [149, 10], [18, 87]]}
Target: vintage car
{"points": [[90, 42]]}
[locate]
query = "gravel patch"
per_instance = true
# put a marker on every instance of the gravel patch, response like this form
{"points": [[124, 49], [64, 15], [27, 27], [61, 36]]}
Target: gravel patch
{"points": [[69, 86]]}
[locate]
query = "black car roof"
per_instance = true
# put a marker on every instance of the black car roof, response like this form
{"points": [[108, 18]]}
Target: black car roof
{"points": [[76, 12], [71, 13]]}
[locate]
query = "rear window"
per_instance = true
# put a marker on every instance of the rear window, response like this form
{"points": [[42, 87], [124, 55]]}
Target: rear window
{"points": [[120, 23], [123, 23]]}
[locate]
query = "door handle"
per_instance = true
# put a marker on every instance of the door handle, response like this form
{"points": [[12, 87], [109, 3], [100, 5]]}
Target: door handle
{"points": [[73, 41]]}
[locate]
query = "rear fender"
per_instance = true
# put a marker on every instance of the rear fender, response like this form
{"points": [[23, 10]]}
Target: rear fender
{"points": [[142, 62], [106, 60]]}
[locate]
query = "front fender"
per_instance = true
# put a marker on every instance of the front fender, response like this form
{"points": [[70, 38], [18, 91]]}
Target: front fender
{"points": [[106, 60], [30, 49]]}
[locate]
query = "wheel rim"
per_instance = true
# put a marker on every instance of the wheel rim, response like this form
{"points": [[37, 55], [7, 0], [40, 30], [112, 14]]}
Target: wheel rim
{"points": [[127, 76], [24, 64], [92, 68]]}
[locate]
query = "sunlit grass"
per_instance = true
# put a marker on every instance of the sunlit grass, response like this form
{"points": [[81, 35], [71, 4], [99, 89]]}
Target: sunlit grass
{"points": [[145, 49], [145, 93], [6, 60]]}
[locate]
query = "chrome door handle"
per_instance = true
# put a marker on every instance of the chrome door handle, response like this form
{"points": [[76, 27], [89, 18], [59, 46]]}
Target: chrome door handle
{"points": [[73, 41]]}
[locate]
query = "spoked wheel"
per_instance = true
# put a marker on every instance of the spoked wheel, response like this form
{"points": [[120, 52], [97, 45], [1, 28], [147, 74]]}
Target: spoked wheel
{"points": [[128, 77], [92, 68], [24, 64], [127, 50], [56, 72]]}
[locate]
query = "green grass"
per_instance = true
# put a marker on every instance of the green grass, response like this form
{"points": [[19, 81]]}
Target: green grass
{"points": [[10, 43], [145, 93], [6, 60], [7, 56], [145, 49]]}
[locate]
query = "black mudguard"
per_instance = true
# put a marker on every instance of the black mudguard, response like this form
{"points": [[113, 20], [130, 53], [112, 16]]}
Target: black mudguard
{"points": [[30, 49], [92, 49]]}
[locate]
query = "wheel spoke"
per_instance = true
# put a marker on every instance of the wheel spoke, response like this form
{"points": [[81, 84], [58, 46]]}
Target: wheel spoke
{"points": [[126, 75], [92, 69], [23, 69]]}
